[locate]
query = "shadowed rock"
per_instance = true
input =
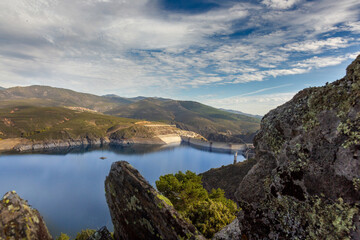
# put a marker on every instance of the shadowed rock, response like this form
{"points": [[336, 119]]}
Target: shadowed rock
{"points": [[138, 211], [19, 221]]}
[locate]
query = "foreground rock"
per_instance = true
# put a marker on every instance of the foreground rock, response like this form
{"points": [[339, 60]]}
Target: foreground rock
{"points": [[230, 232], [19, 221], [306, 182], [138, 211]]}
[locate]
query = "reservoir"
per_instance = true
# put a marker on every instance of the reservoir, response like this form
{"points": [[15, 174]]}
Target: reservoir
{"points": [[67, 187]]}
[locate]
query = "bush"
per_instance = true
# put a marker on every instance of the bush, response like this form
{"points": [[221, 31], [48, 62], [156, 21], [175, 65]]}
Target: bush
{"points": [[63, 236], [85, 234], [209, 212]]}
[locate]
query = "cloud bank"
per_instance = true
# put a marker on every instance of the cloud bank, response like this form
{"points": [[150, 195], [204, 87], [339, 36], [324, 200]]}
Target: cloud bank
{"points": [[142, 48]]}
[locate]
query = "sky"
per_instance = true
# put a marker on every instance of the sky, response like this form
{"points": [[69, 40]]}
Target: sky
{"points": [[249, 56]]}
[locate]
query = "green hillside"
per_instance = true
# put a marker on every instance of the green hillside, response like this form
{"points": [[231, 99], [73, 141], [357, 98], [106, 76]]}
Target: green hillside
{"points": [[210, 122], [214, 124], [58, 97], [52, 123]]}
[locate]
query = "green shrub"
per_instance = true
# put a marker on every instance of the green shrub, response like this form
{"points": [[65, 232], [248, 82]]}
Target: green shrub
{"points": [[63, 236], [85, 234], [209, 212]]}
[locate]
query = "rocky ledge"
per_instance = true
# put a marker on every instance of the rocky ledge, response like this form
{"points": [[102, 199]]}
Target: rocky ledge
{"points": [[19, 221], [138, 211]]}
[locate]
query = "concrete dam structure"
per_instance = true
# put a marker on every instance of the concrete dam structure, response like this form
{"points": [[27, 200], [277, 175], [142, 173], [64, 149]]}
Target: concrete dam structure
{"points": [[218, 146]]}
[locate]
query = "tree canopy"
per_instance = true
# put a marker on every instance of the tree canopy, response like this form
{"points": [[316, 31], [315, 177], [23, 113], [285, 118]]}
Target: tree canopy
{"points": [[209, 212]]}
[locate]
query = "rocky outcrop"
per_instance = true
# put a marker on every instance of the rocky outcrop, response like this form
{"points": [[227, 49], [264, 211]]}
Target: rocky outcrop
{"points": [[138, 211], [19, 221], [306, 182], [230, 232]]}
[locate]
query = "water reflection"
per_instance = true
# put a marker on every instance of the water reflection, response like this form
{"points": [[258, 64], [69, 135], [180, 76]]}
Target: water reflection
{"points": [[67, 187]]}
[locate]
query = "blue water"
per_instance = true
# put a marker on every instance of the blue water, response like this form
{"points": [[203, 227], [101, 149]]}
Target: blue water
{"points": [[68, 187]]}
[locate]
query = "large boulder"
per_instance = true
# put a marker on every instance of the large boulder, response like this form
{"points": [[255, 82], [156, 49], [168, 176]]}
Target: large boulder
{"points": [[19, 221], [138, 211], [306, 182]]}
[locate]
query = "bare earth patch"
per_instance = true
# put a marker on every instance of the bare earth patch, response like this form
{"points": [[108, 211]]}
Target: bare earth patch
{"points": [[10, 143]]}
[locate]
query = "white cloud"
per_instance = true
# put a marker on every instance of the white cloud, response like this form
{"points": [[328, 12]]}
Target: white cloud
{"points": [[317, 46], [257, 104], [280, 4], [136, 47], [319, 62], [353, 27]]}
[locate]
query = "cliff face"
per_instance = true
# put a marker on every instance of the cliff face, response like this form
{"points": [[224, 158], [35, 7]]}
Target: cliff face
{"points": [[19, 221], [138, 211], [307, 178]]}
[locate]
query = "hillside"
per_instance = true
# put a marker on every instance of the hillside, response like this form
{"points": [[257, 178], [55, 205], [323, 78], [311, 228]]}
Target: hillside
{"points": [[50, 127], [49, 96], [212, 123], [49, 123]]}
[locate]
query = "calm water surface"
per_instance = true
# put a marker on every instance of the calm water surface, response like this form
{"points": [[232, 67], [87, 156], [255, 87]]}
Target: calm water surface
{"points": [[68, 187]]}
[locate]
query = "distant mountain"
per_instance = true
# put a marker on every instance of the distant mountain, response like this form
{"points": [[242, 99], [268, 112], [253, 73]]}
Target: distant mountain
{"points": [[134, 99], [1, 88], [50, 96], [118, 99], [242, 113], [212, 123]]}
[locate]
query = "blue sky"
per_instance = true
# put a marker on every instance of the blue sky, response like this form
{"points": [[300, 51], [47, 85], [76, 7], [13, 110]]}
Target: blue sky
{"points": [[244, 55]]}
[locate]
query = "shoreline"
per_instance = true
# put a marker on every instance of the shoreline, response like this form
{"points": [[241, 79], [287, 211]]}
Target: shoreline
{"points": [[25, 145]]}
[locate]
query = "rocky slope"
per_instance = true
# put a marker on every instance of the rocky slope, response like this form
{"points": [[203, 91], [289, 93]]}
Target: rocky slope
{"points": [[225, 176], [306, 182], [19, 221], [138, 211]]}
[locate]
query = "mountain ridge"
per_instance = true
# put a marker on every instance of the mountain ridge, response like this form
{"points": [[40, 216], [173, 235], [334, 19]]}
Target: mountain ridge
{"points": [[212, 123]]}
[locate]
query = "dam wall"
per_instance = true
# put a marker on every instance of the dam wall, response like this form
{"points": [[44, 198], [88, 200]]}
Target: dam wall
{"points": [[220, 146]]}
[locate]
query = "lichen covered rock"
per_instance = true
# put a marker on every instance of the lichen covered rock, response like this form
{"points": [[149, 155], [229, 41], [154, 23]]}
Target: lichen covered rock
{"points": [[138, 211], [230, 232], [306, 182], [19, 221]]}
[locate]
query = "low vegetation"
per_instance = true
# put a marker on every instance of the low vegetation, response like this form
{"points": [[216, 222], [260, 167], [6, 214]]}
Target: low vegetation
{"points": [[55, 123], [208, 212], [83, 235]]}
